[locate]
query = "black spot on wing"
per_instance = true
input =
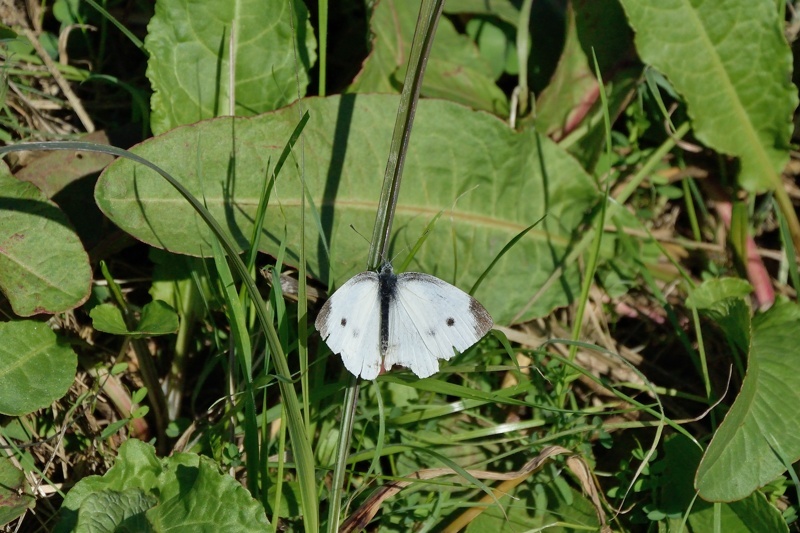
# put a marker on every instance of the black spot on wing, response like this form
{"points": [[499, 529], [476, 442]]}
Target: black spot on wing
{"points": [[343, 322], [451, 321]]}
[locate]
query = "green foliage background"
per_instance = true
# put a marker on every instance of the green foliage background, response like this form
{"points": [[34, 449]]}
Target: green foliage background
{"points": [[596, 117]]}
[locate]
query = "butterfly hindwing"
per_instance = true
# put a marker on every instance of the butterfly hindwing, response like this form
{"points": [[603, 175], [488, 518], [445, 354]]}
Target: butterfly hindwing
{"points": [[349, 323], [428, 319]]}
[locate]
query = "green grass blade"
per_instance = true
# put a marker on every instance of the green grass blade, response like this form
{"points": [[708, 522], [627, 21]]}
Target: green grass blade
{"points": [[322, 24], [244, 354], [420, 241], [342, 452], [790, 251], [594, 255], [506, 248], [125, 31]]}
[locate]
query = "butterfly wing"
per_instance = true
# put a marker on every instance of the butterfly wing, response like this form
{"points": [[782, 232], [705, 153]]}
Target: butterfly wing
{"points": [[349, 323], [428, 318]]}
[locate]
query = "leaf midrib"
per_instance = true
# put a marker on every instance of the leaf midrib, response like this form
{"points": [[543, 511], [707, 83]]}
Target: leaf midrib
{"points": [[737, 106], [412, 212]]}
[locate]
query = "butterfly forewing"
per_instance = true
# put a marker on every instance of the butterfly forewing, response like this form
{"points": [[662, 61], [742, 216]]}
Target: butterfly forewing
{"points": [[349, 323], [428, 319]]}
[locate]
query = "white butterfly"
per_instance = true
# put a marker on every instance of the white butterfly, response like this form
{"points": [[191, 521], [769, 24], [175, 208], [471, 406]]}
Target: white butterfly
{"points": [[412, 320]]}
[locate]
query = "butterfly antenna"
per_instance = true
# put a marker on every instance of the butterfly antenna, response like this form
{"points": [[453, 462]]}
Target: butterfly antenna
{"points": [[352, 227]]}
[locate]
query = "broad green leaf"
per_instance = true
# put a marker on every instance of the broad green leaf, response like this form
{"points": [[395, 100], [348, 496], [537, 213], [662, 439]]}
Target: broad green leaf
{"points": [[455, 71], [753, 513], [68, 178], [136, 467], [111, 511], [760, 433], [490, 181], [158, 318], [712, 292], [731, 63], [15, 497], [67, 12], [203, 499], [108, 318], [8, 37], [35, 367], [496, 41], [723, 300], [546, 30], [185, 492], [43, 266], [506, 10], [190, 56], [570, 105], [53, 172]]}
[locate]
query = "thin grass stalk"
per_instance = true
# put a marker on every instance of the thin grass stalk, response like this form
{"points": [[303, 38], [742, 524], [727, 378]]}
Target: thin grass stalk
{"points": [[701, 351], [276, 505], [261, 210], [186, 301], [125, 31], [381, 441], [262, 460], [429, 13], [523, 42], [739, 230], [688, 201], [258, 220], [237, 318], [789, 250], [652, 86], [593, 259], [786, 208], [322, 23], [502, 252], [342, 451], [302, 302], [787, 463], [147, 368]]}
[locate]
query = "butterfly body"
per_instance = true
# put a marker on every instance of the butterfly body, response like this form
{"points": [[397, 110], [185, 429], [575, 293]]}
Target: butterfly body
{"points": [[378, 320]]}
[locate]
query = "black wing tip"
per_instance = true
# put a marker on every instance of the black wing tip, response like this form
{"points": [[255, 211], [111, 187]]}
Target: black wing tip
{"points": [[322, 318], [483, 320]]}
